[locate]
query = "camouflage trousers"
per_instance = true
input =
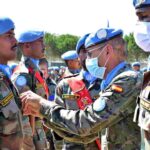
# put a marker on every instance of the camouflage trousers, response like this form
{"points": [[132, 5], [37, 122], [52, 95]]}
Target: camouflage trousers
{"points": [[28, 143], [11, 142]]}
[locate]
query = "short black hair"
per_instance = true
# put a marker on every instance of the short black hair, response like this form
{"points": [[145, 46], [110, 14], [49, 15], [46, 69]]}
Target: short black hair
{"points": [[43, 61]]}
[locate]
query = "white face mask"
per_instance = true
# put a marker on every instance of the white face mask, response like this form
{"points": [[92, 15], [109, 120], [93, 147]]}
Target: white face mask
{"points": [[94, 69], [142, 35]]}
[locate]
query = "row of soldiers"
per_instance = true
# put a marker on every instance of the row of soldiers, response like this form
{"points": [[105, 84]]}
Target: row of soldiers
{"points": [[91, 110]]}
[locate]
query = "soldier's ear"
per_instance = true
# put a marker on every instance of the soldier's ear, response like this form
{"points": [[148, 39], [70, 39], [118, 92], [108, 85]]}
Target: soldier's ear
{"points": [[109, 49]]}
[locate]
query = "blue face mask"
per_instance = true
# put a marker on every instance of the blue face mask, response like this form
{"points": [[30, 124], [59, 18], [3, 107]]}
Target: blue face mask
{"points": [[94, 69]]}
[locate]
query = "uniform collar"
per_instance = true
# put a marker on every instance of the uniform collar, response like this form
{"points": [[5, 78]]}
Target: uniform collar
{"points": [[112, 74], [74, 71], [34, 63]]}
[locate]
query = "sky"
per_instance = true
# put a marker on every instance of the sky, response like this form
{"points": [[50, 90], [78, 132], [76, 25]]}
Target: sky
{"points": [[76, 17]]}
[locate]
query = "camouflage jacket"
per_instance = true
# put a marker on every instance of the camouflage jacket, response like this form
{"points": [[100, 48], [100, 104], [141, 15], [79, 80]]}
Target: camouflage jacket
{"points": [[112, 110], [24, 80], [71, 103], [10, 115], [142, 112]]}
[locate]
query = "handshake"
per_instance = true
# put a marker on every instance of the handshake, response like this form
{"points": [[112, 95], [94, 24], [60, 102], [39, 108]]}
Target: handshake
{"points": [[32, 103]]}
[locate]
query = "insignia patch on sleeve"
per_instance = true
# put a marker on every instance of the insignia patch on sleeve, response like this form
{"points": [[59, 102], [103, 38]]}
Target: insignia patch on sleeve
{"points": [[70, 97], [21, 81], [99, 104], [6, 100], [117, 88]]}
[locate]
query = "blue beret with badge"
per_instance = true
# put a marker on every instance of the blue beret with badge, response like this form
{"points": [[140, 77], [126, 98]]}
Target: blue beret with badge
{"points": [[136, 64], [6, 24], [81, 42], [30, 36], [141, 3], [69, 55], [102, 35]]}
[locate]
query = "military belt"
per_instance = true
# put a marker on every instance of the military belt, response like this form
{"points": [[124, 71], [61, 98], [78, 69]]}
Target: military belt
{"points": [[145, 103]]}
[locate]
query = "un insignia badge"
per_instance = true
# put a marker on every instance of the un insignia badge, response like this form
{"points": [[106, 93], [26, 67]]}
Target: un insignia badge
{"points": [[102, 33], [21, 81], [99, 104]]}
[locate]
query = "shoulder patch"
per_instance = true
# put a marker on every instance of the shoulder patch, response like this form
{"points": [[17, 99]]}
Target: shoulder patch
{"points": [[99, 104], [21, 81], [117, 88]]}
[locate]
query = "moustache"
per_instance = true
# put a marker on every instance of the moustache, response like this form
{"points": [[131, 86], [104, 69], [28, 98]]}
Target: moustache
{"points": [[14, 46]]}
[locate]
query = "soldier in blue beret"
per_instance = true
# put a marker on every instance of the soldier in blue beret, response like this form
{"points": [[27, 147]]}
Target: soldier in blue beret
{"points": [[69, 101], [11, 135], [142, 38], [28, 76], [72, 63], [136, 66], [112, 112]]}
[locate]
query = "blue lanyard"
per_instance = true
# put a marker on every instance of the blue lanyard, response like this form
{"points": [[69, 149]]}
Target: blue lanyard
{"points": [[111, 75], [6, 70]]}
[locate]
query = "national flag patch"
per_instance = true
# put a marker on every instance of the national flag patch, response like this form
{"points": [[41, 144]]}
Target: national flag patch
{"points": [[117, 88]]}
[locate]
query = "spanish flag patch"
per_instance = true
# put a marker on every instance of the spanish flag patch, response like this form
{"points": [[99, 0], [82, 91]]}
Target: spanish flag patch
{"points": [[117, 88]]}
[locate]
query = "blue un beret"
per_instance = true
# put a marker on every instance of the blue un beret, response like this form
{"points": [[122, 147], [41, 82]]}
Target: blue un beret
{"points": [[81, 42], [30, 36], [136, 64], [6, 24], [69, 55], [102, 35], [141, 3]]}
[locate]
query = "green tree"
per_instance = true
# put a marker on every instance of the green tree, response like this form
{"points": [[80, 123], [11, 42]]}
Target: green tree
{"points": [[58, 44], [135, 53]]}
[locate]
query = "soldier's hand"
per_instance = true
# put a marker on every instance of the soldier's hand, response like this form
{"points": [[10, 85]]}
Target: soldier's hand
{"points": [[31, 103]]}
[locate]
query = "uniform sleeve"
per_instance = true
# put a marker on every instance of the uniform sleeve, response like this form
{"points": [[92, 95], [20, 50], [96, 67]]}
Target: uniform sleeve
{"points": [[114, 104], [22, 82], [58, 94]]}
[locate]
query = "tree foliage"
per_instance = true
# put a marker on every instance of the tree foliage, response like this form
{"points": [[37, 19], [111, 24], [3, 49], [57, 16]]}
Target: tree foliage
{"points": [[135, 53], [58, 44]]}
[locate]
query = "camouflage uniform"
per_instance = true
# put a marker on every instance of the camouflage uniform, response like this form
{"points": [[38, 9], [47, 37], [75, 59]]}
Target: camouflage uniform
{"points": [[38, 141], [71, 103], [57, 139], [117, 104], [11, 134], [142, 113]]}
